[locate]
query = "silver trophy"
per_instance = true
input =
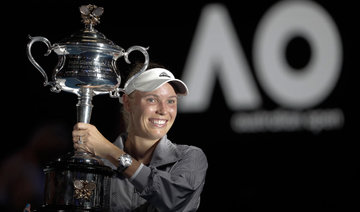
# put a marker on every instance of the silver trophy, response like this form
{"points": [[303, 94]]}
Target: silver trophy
{"points": [[86, 67]]}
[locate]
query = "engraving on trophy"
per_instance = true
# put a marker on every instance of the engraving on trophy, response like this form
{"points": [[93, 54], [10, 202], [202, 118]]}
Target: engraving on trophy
{"points": [[84, 71], [79, 64]]}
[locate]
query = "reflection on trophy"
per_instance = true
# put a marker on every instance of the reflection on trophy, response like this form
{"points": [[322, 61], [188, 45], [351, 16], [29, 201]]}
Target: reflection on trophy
{"points": [[86, 67]]}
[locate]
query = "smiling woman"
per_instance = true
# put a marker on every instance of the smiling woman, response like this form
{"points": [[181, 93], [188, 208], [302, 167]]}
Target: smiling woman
{"points": [[154, 174], [152, 113]]}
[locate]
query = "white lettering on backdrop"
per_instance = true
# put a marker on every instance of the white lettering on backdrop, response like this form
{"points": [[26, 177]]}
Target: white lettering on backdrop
{"points": [[216, 52]]}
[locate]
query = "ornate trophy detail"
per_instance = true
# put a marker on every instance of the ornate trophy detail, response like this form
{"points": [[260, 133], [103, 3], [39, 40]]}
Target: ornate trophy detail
{"points": [[86, 67], [91, 15], [83, 189]]}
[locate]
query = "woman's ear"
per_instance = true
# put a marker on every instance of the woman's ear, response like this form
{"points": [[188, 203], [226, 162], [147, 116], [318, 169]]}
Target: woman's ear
{"points": [[126, 102]]}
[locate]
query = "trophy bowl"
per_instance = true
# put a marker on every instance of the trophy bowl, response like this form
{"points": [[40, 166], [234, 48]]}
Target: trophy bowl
{"points": [[85, 59]]}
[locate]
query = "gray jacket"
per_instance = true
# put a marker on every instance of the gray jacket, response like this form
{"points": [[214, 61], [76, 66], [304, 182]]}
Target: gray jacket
{"points": [[173, 181]]}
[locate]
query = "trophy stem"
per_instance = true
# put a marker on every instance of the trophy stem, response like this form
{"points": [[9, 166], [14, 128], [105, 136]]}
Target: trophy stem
{"points": [[84, 109], [84, 105]]}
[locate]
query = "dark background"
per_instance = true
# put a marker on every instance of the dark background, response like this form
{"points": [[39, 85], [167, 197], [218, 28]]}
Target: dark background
{"points": [[283, 171]]}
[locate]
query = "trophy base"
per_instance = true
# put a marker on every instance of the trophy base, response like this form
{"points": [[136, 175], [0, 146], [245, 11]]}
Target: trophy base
{"points": [[77, 181]]}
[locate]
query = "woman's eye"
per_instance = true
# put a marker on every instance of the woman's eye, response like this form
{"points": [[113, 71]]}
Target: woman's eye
{"points": [[171, 101], [151, 100]]}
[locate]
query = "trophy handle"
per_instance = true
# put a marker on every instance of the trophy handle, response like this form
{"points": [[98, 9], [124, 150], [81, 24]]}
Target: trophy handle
{"points": [[55, 86], [146, 62], [116, 93]]}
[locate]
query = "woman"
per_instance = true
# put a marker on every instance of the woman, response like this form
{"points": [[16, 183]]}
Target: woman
{"points": [[155, 174]]}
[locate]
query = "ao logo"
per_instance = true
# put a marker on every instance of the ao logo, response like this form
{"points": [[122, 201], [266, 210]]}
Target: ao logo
{"points": [[216, 52]]}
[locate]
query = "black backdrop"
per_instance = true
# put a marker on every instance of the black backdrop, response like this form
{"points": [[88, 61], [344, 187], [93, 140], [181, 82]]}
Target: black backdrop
{"points": [[249, 171]]}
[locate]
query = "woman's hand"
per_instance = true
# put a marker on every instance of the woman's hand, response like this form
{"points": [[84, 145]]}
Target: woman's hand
{"points": [[88, 138]]}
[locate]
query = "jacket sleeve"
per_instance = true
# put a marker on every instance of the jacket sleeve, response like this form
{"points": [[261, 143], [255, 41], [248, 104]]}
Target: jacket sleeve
{"points": [[177, 190]]}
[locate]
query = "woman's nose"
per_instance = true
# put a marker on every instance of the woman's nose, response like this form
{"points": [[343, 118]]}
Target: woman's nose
{"points": [[162, 108]]}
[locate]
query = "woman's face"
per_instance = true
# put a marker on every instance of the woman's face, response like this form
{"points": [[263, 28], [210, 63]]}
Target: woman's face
{"points": [[152, 113]]}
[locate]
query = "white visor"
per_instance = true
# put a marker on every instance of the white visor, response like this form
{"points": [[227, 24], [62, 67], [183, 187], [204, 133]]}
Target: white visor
{"points": [[154, 78]]}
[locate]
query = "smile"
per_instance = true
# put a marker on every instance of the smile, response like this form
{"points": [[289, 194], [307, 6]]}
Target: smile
{"points": [[158, 122]]}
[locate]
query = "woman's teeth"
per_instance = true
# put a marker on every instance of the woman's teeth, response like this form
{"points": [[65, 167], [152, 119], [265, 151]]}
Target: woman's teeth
{"points": [[158, 121]]}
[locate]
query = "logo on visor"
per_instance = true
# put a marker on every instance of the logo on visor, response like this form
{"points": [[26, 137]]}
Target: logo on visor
{"points": [[163, 74]]}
